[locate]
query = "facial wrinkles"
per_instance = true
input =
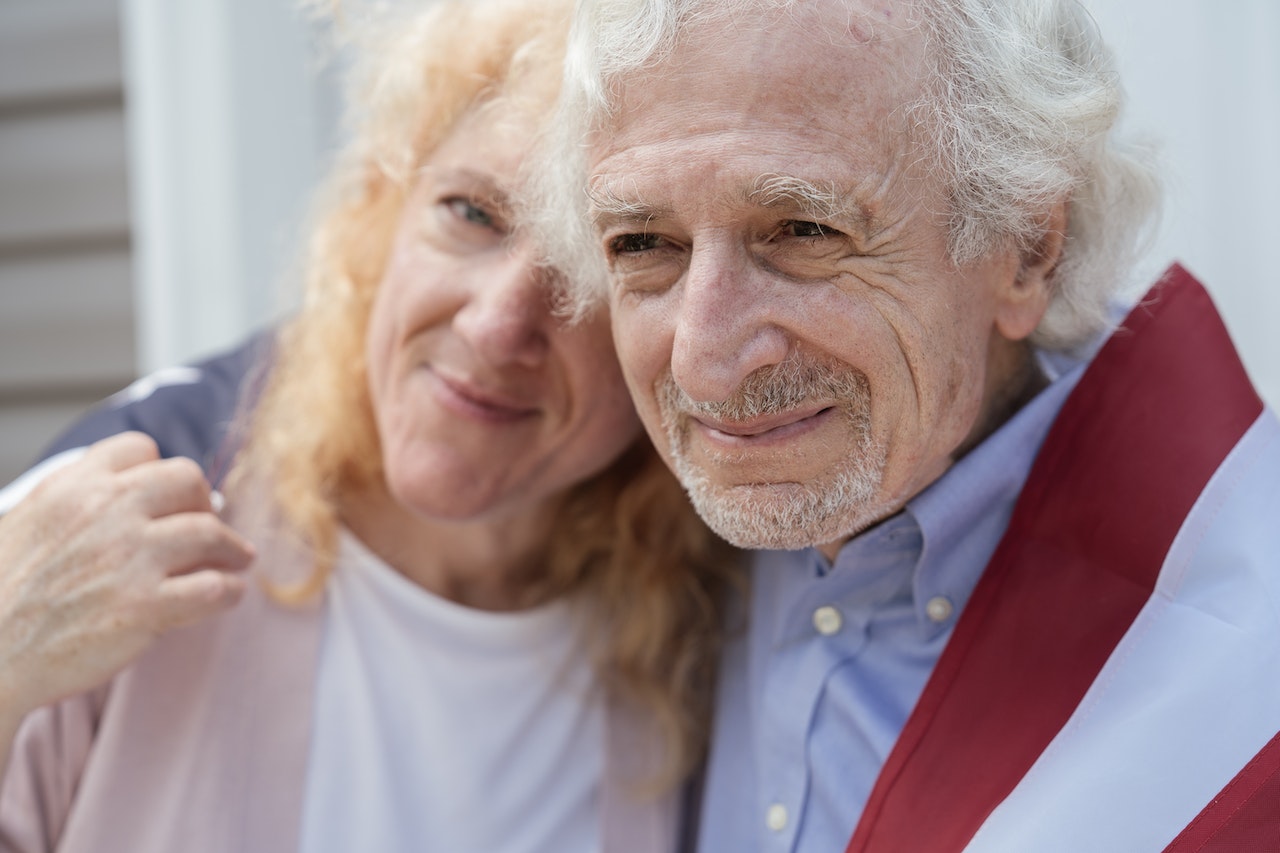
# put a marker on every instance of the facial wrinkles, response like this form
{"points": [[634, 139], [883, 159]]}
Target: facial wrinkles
{"points": [[783, 515], [908, 241]]}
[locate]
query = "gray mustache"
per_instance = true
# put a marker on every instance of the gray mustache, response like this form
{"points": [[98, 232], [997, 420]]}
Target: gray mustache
{"points": [[773, 389]]}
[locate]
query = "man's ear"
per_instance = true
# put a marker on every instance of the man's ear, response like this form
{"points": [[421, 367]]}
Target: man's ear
{"points": [[1026, 297]]}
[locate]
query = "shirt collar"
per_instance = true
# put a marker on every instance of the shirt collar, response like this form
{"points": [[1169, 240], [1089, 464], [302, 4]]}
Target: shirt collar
{"points": [[951, 529], [964, 514]]}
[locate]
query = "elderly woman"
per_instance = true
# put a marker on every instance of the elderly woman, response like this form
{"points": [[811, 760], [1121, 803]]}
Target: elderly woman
{"points": [[480, 615]]}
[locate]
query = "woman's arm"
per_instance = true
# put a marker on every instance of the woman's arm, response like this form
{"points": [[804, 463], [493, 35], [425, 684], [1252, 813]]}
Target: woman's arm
{"points": [[103, 557]]}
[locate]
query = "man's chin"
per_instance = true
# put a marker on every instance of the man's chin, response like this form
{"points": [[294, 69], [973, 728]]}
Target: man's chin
{"points": [[782, 516]]}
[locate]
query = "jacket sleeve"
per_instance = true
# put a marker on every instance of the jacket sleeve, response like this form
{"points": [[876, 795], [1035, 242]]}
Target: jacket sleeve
{"points": [[195, 411], [189, 411], [48, 757]]}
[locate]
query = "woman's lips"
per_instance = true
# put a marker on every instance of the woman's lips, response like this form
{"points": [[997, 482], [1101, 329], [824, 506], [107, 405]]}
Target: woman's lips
{"points": [[767, 430], [470, 400]]}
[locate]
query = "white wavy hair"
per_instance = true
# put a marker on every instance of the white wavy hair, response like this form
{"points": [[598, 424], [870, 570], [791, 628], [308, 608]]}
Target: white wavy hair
{"points": [[1021, 105]]}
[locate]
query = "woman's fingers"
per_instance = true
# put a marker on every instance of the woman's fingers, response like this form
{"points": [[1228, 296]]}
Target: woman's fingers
{"points": [[167, 486], [186, 599], [122, 451], [103, 557], [189, 541]]}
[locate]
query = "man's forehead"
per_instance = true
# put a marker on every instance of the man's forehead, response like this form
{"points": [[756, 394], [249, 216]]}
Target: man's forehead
{"points": [[793, 39], [862, 21], [818, 62]]}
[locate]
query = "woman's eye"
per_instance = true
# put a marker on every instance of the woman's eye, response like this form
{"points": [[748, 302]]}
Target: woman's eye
{"points": [[468, 211], [630, 244]]}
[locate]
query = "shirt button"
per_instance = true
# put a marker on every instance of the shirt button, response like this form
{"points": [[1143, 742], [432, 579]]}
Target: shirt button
{"points": [[827, 620], [776, 817], [939, 608]]}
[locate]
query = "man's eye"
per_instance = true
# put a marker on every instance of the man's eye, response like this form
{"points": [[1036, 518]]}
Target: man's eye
{"points": [[629, 244], [468, 211], [801, 228]]}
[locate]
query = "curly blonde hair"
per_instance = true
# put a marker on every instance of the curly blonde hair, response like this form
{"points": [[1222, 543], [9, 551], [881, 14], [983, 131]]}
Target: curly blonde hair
{"points": [[626, 544]]}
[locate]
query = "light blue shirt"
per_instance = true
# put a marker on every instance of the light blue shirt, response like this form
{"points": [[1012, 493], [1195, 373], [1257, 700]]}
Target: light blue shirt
{"points": [[814, 694]]}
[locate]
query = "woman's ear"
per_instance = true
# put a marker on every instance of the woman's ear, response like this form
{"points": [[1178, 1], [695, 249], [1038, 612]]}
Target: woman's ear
{"points": [[1026, 296]]}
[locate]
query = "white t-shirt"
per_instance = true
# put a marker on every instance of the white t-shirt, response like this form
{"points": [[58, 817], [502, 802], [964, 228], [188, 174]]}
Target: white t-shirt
{"points": [[438, 727]]}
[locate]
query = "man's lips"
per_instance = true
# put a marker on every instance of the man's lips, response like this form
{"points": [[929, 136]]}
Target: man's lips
{"points": [[763, 430], [470, 399]]}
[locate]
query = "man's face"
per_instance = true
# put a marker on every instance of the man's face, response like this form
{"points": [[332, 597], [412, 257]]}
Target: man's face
{"points": [[798, 343]]}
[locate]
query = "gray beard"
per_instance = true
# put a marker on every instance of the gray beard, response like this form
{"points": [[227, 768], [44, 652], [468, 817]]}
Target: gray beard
{"points": [[784, 515]]}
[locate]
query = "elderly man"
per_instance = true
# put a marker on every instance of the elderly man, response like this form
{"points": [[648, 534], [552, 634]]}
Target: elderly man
{"points": [[857, 253]]}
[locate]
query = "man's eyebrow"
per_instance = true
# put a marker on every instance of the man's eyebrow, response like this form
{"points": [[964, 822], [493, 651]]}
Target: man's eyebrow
{"points": [[609, 210], [812, 200], [787, 192]]}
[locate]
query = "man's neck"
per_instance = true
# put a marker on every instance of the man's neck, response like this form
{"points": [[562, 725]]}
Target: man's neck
{"points": [[1014, 378]]}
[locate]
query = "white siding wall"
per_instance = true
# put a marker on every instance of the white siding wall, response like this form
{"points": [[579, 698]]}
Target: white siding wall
{"points": [[133, 239], [66, 306]]}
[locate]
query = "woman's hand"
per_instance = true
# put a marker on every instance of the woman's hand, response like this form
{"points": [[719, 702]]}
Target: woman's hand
{"points": [[103, 557]]}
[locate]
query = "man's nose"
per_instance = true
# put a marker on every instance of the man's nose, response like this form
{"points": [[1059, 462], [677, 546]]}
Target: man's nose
{"points": [[723, 328], [507, 319]]}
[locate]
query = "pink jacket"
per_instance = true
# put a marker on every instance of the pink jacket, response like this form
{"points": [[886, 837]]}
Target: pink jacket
{"points": [[202, 745]]}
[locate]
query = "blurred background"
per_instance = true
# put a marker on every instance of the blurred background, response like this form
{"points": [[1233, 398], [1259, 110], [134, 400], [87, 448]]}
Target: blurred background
{"points": [[156, 159]]}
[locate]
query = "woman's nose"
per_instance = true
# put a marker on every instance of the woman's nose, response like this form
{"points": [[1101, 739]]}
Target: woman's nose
{"points": [[507, 318]]}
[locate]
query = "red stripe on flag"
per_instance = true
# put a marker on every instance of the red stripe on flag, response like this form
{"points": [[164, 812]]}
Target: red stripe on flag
{"points": [[1150, 421], [1245, 816]]}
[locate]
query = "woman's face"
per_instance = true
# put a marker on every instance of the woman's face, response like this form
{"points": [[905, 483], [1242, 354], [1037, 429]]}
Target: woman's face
{"points": [[485, 403]]}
